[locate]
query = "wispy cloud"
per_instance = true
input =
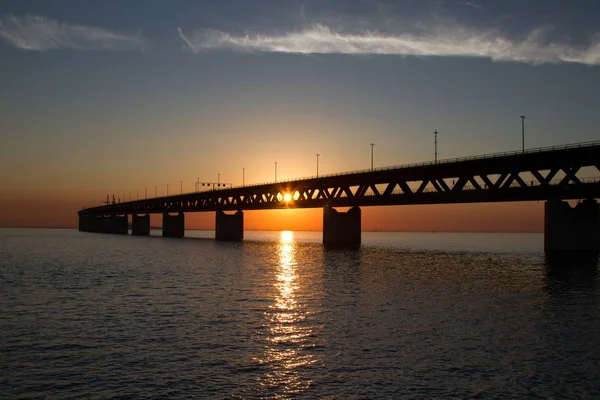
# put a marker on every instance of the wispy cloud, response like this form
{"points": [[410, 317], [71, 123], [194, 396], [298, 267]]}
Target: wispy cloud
{"points": [[39, 34], [448, 41]]}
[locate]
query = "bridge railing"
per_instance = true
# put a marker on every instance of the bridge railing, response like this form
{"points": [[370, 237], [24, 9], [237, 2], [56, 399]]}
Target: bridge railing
{"points": [[444, 161], [408, 165]]}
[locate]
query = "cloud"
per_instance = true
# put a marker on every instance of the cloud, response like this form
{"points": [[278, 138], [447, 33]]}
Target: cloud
{"points": [[448, 41], [40, 34]]}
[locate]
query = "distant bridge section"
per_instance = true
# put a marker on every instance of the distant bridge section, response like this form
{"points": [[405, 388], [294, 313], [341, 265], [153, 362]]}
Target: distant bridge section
{"points": [[544, 174]]}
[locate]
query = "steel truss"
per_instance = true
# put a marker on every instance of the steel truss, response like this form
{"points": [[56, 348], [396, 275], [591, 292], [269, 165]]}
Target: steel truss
{"points": [[514, 177]]}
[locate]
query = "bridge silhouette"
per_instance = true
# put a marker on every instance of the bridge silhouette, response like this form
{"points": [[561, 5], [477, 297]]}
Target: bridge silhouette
{"points": [[551, 174]]}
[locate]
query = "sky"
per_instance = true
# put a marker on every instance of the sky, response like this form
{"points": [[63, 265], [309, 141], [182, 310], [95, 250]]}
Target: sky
{"points": [[121, 98]]}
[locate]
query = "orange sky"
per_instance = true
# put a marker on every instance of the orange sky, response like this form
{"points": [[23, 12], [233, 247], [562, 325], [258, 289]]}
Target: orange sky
{"points": [[95, 105]]}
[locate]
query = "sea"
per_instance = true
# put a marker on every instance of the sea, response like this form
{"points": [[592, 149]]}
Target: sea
{"points": [[278, 316]]}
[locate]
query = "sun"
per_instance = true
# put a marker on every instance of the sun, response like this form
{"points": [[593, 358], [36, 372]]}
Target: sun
{"points": [[287, 197]]}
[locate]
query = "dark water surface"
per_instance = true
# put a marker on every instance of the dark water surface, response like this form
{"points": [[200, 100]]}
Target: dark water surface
{"points": [[409, 315]]}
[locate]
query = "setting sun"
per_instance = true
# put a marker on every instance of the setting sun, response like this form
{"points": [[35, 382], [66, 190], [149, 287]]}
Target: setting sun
{"points": [[287, 197]]}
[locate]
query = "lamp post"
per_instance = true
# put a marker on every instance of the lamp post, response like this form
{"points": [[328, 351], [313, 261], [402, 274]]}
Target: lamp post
{"points": [[318, 164], [372, 144], [138, 194], [167, 189], [523, 132], [275, 171], [218, 179], [145, 193], [180, 187], [243, 176], [155, 191], [197, 184], [435, 153]]}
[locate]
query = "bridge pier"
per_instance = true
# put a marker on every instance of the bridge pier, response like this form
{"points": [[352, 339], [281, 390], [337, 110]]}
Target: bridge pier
{"points": [[99, 224], [104, 224], [229, 227], [341, 229], [86, 223], [140, 225], [572, 228], [173, 225], [117, 224]]}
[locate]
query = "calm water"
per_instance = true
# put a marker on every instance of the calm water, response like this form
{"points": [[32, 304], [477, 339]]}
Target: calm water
{"points": [[409, 315]]}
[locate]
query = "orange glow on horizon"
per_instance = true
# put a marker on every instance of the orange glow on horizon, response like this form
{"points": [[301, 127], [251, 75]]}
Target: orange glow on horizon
{"points": [[491, 217]]}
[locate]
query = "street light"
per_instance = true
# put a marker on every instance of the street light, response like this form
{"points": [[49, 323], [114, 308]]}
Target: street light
{"points": [[167, 189], [372, 144], [181, 187], [138, 194], [275, 171], [145, 193], [318, 164], [198, 185], [218, 179], [243, 176], [435, 154], [155, 191], [523, 132]]}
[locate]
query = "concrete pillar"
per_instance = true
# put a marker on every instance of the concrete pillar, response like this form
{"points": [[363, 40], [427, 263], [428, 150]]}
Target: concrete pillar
{"points": [[84, 223], [572, 228], [118, 224], [103, 224], [140, 225], [173, 225], [341, 229], [229, 226], [88, 223], [100, 224]]}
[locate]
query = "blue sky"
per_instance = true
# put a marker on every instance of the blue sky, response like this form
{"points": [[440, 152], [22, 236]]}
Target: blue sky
{"points": [[117, 96]]}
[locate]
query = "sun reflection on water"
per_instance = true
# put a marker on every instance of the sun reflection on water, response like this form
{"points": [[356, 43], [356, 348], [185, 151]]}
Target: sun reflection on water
{"points": [[288, 334]]}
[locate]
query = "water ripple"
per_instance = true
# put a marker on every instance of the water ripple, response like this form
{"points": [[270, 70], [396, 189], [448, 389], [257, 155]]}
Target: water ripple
{"points": [[101, 316]]}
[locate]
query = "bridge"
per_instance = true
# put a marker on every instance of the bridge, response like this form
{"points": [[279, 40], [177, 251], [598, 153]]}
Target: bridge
{"points": [[550, 174]]}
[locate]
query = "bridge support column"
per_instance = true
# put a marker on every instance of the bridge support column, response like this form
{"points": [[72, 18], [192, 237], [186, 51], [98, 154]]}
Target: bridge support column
{"points": [[173, 225], [341, 229], [86, 223], [92, 223], [572, 228], [230, 226], [103, 224], [140, 225], [117, 224]]}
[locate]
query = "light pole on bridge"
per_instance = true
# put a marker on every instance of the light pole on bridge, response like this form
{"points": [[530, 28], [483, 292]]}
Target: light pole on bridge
{"points": [[198, 185], [155, 191], [435, 153], [275, 171], [523, 132], [181, 187], [138, 194], [145, 193], [167, 189], [372, 144], [318, 164], [243, 176]]}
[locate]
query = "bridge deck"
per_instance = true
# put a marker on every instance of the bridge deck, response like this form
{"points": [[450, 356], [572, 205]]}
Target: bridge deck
{"points": [[536, 174]]}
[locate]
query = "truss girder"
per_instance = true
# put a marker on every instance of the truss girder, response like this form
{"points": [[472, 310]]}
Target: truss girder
{"points": [[515, 178]]}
